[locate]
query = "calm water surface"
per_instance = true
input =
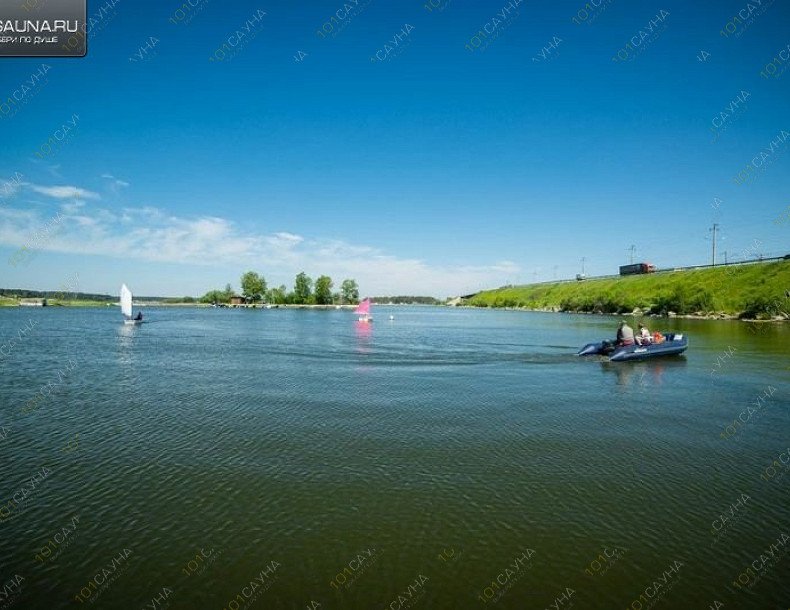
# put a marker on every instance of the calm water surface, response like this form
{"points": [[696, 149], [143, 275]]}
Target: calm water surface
{"points": [[445, 459]]}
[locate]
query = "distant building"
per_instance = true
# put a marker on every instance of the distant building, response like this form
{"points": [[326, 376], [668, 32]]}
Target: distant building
{"points": [[32, 302], [235, 301]]}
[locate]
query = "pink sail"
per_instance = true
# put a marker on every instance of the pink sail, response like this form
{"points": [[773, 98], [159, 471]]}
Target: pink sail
{"points": [[363, 307]]}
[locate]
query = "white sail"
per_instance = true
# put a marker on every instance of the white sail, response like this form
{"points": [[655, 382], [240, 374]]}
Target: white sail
{"points": [[126, 301]]}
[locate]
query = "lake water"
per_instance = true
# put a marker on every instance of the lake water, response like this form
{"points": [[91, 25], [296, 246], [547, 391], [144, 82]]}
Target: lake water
{"points": [[449, 458]]}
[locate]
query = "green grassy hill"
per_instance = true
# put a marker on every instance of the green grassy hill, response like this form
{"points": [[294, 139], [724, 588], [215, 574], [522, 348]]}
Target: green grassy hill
{"points": [[751, 291]]}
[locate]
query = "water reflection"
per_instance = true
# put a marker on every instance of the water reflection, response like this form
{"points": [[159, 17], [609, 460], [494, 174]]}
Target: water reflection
{"points": [[643, 374], [129, 378], [364, 330]]}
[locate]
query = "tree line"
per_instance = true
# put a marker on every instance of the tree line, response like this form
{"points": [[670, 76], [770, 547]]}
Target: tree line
{"points": [[18, 293], [254, 289], [405, 300]]}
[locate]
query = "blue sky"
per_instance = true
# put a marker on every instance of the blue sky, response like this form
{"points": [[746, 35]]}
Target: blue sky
{"points": [[438, 169]]}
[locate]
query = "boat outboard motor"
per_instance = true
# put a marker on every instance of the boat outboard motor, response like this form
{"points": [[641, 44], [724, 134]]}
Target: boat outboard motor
{"points": [[590, 349]]}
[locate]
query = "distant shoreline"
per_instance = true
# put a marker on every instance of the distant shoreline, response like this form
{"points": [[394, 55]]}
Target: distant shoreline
{"points": [[757, 291], [722, 316], [145, 304], [713, 316]]}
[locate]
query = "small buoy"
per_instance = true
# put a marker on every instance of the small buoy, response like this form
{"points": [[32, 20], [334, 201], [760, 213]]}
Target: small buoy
{"points": [[392, 317]]}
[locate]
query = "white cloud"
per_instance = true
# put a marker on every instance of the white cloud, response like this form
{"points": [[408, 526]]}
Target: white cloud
{"points": [[64, 192], [153, 235], [115, 184], [72, 206], [9, 188]]}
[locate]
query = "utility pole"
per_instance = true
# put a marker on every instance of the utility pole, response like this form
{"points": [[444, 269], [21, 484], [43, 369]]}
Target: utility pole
{"points": [[632, 249], [725, 257], [555, 272], [713, 230], [583, 259]]}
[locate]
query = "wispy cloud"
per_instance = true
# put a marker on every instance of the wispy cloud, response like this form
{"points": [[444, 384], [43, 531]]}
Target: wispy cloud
{"points": [[152, 234], [115, 184], [9, 188], [64, 192]]}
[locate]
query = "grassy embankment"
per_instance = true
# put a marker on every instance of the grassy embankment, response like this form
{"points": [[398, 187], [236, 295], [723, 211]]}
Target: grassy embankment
{"points": [[748, 291], [14, 302]]}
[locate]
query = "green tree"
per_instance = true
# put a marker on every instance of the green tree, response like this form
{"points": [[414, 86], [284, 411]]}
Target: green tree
{"points": [[323, 290], [350, 291], [253, 286], [303, 287], [278, 296], [215, 296], [228, 293]]}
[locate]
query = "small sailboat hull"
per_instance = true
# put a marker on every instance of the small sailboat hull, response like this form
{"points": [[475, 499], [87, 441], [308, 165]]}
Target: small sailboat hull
{"points": [[363, 311], [126, 307]]}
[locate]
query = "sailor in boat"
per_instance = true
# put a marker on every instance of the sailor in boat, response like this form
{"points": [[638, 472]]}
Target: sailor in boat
{"points": [[644, 337], [139, 316], [625, 335]]}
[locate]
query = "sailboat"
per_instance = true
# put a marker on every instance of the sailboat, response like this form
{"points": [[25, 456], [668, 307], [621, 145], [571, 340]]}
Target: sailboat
{"points": [[126, 307], [363, 311]]}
